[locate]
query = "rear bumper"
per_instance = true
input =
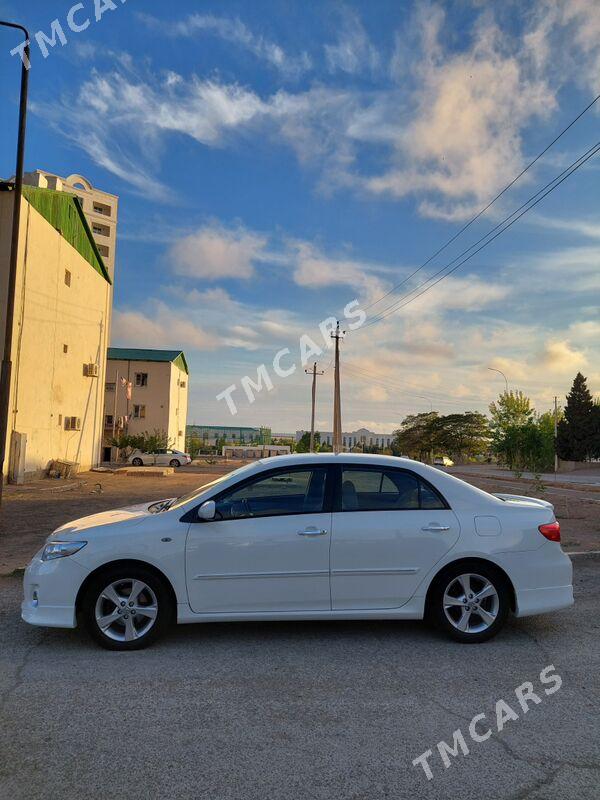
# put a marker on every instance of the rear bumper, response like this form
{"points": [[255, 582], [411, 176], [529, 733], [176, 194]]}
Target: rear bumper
{"points": [[542, 579], [540, 601]]}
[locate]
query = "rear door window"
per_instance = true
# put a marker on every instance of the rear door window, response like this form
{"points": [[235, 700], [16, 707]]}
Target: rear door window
{"points": [[386, 490]]}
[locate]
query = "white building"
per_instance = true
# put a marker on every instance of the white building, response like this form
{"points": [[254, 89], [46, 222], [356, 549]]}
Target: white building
{"points": [[59, 336], [361, 437], [146, 390], [100, 209]]}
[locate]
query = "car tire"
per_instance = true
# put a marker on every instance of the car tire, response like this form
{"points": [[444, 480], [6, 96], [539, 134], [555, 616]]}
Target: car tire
{"points": [[136, 623], [469, 602], [137, 462], [174, 463]]}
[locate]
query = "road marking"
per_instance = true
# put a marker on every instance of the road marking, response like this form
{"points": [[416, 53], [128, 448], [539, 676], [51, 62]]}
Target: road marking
{"points": [[584, 553]]}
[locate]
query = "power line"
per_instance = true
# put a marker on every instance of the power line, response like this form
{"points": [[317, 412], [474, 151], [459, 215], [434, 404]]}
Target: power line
{"points": [[554, 184], [488, 206], [364, 375]]}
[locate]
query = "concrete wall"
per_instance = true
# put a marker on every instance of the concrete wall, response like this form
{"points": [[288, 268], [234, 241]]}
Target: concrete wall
{"points": [[164, 398], [49, 384]]}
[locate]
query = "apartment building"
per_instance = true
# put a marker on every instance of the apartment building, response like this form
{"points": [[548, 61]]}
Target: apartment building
{"points": [[59, 336], [100, 209], [145, 390]]}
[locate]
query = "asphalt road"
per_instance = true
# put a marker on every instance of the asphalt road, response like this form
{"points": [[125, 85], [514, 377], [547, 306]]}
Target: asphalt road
{"points": [[294, 711]]}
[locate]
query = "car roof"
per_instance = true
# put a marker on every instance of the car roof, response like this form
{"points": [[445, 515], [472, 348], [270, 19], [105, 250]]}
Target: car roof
{"points": [[347, 458]]}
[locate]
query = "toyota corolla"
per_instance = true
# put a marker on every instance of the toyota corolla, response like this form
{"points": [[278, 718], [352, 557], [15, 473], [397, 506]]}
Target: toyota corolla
{"points": [[305, 537]]}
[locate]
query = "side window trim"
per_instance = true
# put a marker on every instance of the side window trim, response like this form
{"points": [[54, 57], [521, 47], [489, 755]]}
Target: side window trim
{"points": [[340, 468], [192, 515]]}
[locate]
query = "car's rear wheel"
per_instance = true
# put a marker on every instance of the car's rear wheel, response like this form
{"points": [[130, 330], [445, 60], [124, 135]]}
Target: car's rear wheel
{"points": [[174, 463], [127, 608], [470, 603], [137, 462]]}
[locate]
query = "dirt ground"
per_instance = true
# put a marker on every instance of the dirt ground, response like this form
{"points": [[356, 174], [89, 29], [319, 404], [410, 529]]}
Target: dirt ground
{"points": [[33, 511]]}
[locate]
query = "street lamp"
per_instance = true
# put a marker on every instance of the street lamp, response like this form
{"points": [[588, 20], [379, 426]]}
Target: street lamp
{"points": [[5, 375], [499, 371]]}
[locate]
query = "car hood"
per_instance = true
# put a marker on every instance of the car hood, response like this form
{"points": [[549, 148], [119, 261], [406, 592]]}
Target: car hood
{"points": [[133, 514]]}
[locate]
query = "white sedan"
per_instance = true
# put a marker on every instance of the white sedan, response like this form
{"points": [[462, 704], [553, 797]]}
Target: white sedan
{"points": [[305, 537], [160, 458]]}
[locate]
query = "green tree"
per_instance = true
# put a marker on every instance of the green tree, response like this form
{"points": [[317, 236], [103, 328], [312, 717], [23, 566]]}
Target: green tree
{"points": [[576, 431], [461, 435], [414, 438], [303, 445]]}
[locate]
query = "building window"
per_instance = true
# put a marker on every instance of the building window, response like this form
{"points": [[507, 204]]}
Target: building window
{"points": [[182, 384], [101, 208], [139, 412], [108, 420], [65, 348], [72, 423], [103, 250], [141, 379], [110, 387], [67, 278], [60, 420]]}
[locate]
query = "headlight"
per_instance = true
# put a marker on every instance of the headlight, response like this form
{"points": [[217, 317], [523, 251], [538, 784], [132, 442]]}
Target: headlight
{"points": [[61, 549]]}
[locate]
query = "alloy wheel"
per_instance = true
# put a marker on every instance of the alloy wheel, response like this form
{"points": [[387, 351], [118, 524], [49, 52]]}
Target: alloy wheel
{"points": [[126, 610], [471, 603]]}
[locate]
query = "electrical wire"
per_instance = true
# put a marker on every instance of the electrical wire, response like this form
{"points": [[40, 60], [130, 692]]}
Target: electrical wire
{"points": [[487, 207], [444, 272]]}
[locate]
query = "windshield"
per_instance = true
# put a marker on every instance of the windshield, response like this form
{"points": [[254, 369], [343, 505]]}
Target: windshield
{"points": [[185, 498]]}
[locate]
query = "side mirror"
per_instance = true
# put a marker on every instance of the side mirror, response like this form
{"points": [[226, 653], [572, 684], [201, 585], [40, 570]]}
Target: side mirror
{"points": [[207, 510]]}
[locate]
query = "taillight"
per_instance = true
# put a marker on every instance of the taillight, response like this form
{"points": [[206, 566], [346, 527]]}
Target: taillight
{"points": [[550, 531]]}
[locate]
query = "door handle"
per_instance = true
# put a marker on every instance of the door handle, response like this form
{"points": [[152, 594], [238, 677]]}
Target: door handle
{"points": [[312, 532], [436, 528]]}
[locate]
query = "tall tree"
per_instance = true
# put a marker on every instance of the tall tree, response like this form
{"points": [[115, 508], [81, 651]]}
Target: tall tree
{"points": [[577, 428], [414, 438], [511, 410]]}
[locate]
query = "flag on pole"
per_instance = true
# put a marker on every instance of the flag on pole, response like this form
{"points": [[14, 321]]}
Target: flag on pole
{"points": [[127, 386]]}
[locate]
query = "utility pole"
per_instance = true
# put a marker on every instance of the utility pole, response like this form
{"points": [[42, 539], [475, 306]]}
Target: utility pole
{"points": [[337, 402], [314, 373], [5, 377], [555, 436]]}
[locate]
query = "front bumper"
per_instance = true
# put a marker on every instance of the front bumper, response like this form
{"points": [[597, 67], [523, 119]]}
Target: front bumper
{"points": [[50, 591]]}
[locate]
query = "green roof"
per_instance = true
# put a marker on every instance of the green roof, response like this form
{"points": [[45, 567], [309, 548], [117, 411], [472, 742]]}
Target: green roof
{"points": [[63, 211], [141, 354]]}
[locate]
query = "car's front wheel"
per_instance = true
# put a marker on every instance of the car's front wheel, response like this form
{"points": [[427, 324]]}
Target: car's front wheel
{"points": [[470, 603], [126, 608]]}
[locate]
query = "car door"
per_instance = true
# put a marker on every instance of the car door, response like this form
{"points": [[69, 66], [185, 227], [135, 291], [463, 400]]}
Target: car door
{"points": [[267, 550], [389, 528], [161, 458]]}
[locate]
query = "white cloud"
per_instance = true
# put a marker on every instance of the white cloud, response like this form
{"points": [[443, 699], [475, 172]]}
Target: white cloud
{"points": [[561, 356], [462, 142], [352, 52], [313, 269], [215, 252], [235, 31], [160, 327], [375, 394]]}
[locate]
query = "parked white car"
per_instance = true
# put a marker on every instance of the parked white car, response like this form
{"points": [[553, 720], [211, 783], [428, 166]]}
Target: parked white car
{"points": [[159, 458], [443, 461], [303, 537]]}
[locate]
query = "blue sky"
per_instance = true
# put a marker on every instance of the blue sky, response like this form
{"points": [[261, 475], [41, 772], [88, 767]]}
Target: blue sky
{"points": [[276, 160]]}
